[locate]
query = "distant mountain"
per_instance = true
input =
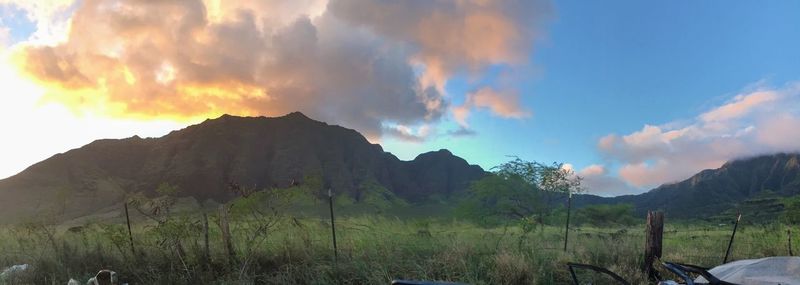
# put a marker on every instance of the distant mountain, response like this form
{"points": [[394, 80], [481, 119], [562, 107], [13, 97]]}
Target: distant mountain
{"points": [[259, 152], [202, 160], [713, 191]]}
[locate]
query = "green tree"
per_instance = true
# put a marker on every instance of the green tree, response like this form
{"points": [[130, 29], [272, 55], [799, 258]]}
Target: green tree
{"points": [[170, 230], [519, 191], [498, 198], [158, 208]]}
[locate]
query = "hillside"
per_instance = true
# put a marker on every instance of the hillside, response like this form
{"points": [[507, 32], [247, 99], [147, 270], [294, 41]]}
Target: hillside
{"points": [[259, 152], [203, 159], [737, 185]]}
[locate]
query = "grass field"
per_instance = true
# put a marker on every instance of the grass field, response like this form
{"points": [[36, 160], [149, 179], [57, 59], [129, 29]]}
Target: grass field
{"points": [[371, 250]]}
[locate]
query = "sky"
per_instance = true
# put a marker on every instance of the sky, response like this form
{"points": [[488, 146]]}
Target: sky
{"points": [[628, 94]]}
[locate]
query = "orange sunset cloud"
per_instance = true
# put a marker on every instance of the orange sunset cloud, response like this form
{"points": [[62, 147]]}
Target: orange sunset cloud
{"points": [[192, 59]]}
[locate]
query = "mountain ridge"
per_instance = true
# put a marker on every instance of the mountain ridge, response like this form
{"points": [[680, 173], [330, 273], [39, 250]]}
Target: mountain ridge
{"points": [[204, 159], [712, 191], [265, 152]]}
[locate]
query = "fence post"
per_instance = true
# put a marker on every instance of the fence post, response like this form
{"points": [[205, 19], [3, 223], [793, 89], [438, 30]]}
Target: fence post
{"points": [[130, 233], [566, 231], [206, 247], [333, 226], [730, 243], [789, 233], [226, 233], [653, 242]]}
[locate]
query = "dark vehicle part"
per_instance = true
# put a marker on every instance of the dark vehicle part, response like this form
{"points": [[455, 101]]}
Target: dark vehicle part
{"points": [[613, 275], [683, 271], [410, 282]]}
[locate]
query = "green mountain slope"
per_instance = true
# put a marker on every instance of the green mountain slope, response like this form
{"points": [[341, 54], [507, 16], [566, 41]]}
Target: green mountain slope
{"points": [[734, 186], [204, 159]]}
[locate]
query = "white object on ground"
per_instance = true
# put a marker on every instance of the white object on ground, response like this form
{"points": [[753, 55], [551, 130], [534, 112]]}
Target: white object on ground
{"points": [[104, 277], [13, 269], [778, 270]]}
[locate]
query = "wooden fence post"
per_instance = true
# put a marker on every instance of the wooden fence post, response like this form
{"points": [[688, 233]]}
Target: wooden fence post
{"points": [[226, 233], [207, 248], [789, 233], [654, 237]]}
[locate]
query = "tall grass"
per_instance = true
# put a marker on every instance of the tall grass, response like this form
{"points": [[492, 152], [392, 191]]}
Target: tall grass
{"points": [[372, 250]]}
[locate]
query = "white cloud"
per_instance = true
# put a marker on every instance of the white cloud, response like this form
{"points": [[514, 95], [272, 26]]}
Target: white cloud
{"points": [[741, 105], [755, 122], [781, 132], [598, 181], [50, 16], [591, 170], [409, 134], [5, 37]]}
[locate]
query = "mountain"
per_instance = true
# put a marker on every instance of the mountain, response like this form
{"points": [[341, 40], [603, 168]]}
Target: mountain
{"points": [[204, 159], [735, 185], [258, 152]]}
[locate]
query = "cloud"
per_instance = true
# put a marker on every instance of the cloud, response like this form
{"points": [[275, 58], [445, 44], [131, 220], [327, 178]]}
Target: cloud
{"points": [[450, 36], [5, 37], [740, 105], [598, 181], [592, 170], [270, 13], [461, 132], [502, 104], [337, 61], [51, 18], [780, 132], [409, 134], [168, 59], [754, 122]]}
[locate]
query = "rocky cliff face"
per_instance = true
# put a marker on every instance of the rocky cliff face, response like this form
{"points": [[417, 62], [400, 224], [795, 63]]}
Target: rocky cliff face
{"points": [[204, 159]]}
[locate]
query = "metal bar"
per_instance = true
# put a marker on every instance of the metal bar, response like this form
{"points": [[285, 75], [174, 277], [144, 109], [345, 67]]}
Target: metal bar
{"points": [[730, 243], [574, 276], [680, 272], [412, 282], [130, 233], [699, 270], [333, 225], [789, 233], [566, 231], [597, 269]]}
